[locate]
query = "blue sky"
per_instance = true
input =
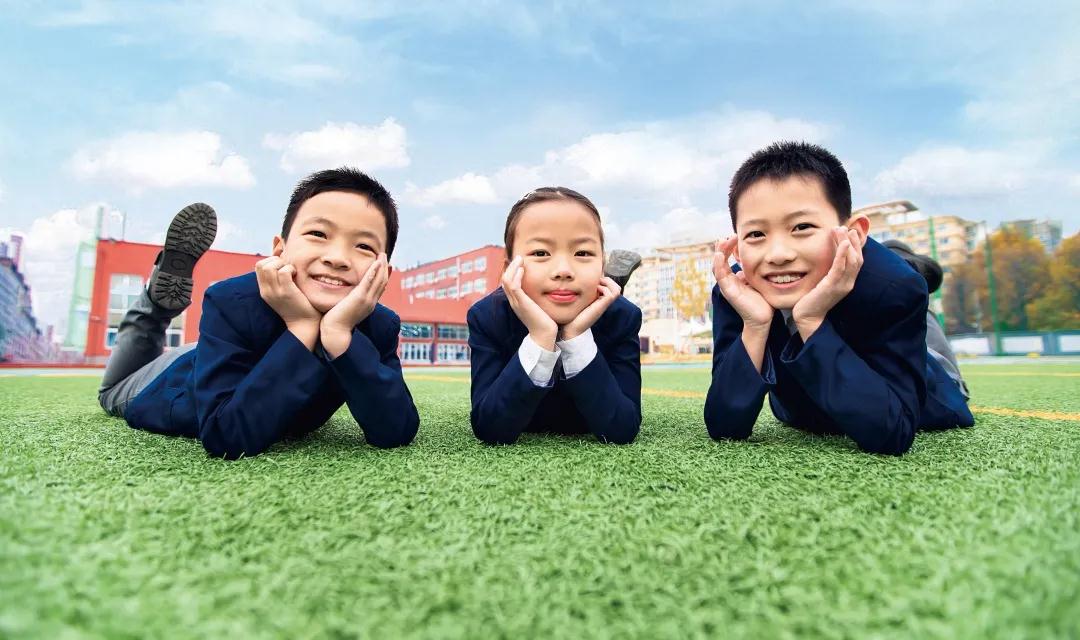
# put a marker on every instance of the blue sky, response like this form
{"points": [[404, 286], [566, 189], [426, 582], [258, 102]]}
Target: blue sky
{"points": [[460, 107]]}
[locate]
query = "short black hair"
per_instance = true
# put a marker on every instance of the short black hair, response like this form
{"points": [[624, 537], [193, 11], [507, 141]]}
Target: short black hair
{"points": [[349, 180], [785, 159]]}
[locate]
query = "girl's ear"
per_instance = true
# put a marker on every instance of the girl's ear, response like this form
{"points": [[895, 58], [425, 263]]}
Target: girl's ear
{"points": [[735, 252], [861, 224], [279, 246]]}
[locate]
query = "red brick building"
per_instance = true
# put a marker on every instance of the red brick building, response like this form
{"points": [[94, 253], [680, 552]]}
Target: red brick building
{"points": [[120, 272], [432, 298]]}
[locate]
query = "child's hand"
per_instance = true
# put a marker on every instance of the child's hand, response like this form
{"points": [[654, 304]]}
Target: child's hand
{"points": [[542, 329], [278, 289], [607, 291], [335, 330], [756, 313], [809, 312]]}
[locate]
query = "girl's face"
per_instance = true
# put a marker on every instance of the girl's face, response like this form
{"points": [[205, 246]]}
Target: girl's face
{"points": [[563, 256]]}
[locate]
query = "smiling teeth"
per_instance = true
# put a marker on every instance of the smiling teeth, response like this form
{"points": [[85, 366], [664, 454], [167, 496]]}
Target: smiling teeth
{"points": [[329, 280], [784, 279]]}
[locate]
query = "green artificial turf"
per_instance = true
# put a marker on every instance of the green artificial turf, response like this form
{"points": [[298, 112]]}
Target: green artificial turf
{"points": [[110, 532]]}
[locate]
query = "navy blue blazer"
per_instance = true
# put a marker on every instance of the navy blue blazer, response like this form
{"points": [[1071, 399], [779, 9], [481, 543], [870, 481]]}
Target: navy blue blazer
{"points": [[865, 372], [250, 383], [603, 399]]}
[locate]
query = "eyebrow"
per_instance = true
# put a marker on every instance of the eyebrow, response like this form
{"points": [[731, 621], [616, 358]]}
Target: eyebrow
{"points": [[793, 214], [580, 240]]}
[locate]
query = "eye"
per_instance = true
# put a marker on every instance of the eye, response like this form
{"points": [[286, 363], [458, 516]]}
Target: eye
{"points": [[365, 247], [584, 253], [753, 235], [316, 233], [539, 253], [804, 226]]}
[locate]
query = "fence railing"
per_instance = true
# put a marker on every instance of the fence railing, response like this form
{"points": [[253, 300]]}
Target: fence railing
{"points": [[1008, 343]]}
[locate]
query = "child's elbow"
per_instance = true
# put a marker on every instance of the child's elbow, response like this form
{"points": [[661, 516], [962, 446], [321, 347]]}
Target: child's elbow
{"points": [[894, 442], [228, 450]]}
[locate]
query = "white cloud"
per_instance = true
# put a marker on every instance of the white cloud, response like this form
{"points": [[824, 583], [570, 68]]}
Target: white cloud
{"points": [[434, 222], [48, 259], [678, 225], [468, 188], [664, 159], [368, 148], [141, 160], [957, 172]]}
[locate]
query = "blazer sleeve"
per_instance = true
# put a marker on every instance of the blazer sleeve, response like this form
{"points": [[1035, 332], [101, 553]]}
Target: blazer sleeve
{"points": [[737, 391], [375, 388], [876, 397], [504, 399], [244, 400], [607, 392]]}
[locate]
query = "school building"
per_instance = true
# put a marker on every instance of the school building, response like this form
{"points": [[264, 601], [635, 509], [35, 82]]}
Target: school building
{"points": [[432, 299]]}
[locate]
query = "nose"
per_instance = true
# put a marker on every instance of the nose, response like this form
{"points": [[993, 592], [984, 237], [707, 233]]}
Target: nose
{"points": [[561, 269], [779, 251], [334, 256]]}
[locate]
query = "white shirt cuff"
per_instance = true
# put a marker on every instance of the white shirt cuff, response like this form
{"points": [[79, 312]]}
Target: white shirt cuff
{"points": [[577, 353], [538, 362]]}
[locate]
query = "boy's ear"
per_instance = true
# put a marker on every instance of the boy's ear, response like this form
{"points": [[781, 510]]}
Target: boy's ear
{"points": [[735, 252], [861, 224], [279, 246]]}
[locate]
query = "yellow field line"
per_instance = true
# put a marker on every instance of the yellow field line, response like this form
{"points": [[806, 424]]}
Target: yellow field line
{"points": [[1045, 415], [428, 378], [1028, 374]]}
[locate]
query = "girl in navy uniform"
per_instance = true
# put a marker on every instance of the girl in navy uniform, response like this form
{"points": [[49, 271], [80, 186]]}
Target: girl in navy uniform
{"points": [[555, 348]]}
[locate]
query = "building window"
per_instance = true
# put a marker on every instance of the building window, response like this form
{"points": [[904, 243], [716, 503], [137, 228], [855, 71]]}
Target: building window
{"points": [[453, 353], [441, 274], [453, 332], [466, 287], [124, 290], [415, 330], [430, 277], [451, 292], [466, 267], [416, 352], [451, 271], [407, 283], [440, 294], [479, 285], [481, 263]]}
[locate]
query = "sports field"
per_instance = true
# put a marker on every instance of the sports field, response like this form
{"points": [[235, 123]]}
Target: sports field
{"points": [[110, 532]]}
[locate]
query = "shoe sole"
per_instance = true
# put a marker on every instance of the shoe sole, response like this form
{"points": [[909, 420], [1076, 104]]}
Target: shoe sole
{"points": [[190, 235], [622, 263]]}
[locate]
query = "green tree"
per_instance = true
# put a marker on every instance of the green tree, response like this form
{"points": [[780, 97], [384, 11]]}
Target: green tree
{"points": [[1059, 306], [1021, 272], [690, 292], [961, 298]]}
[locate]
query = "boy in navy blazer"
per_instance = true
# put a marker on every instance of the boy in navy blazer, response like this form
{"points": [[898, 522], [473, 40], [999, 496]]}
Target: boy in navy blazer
{"points": [[826, 321], [555, 349], [281, 349]]}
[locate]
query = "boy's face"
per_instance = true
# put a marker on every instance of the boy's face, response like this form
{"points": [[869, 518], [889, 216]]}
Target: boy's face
{"points": [[563, 258], [335, 236], [785, 244]]}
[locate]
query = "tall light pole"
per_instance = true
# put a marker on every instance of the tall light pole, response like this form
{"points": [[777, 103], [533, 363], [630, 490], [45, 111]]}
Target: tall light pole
{"points": [[939, 306], [995, 329]]}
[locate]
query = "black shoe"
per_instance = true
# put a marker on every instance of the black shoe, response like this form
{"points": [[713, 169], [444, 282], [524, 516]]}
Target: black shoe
{"points": [[925, 266], [620, 264], [190, 234]]}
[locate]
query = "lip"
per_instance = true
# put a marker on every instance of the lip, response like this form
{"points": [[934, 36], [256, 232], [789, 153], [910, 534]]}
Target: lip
{"points": [[329, 285], [785, 285], [562, 296]]}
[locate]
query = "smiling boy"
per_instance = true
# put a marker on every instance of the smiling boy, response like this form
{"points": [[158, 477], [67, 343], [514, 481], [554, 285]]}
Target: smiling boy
{"points": [[282, 348], [822, 318]]}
